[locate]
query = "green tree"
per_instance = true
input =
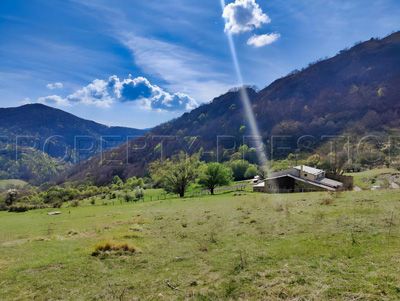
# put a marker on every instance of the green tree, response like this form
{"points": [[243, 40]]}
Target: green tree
{"points": [[213, 175], [175, 174], [251, 155], [237, 156], [132, 183], [239, 168], [292, 158], [117, 181], [251, 172], [313, 160]]}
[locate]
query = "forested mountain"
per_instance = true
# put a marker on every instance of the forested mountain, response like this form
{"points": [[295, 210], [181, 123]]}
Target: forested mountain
{"points": [[36, 141], [29, 164], [56, 132], [356, 91]]}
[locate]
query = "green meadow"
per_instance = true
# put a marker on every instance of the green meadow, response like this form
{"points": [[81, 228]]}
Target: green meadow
{"points": [[232, 246], [379, 176]]}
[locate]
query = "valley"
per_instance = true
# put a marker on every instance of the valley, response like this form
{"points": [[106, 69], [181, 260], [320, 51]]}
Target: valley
{"points": [[216, 189]]}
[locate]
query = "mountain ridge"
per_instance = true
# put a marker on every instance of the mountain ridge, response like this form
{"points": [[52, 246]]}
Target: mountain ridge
{"points": [[55, 131], [357, 90]]}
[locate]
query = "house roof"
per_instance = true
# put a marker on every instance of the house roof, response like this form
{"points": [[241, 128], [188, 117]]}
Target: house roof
{"points": [[331, 182], [314, 183], [294, 173], [261, 184], [310, 170]]}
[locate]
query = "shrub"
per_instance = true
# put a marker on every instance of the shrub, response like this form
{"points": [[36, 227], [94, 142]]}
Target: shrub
{"points": [[11, 197], [57, 205], [239, 168], [139, 193], [75, 203], [20, 208], [117, 181], [128, 198], [134, 182], [251, 172]]}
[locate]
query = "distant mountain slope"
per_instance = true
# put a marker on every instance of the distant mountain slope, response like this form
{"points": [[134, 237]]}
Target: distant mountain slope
{"points": [[359, 89], [356, 91], [29, 164], [57, 132]]}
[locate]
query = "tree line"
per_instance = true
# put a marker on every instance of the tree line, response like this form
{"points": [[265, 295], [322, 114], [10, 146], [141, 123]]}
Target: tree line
{"points": [[176, 174]]}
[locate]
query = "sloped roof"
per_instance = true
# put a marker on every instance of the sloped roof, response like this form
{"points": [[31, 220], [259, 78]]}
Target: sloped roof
{"points": [[310, 170], [331, 182]]}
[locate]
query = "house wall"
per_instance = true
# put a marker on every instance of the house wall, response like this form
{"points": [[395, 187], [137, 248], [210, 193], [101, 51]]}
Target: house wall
{"points": [[287, 185], [306, 187], [311, 177], [259, 189], [307, 176], [281, 185]]}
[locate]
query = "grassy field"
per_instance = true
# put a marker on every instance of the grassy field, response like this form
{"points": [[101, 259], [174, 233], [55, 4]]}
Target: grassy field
{"points": [[367, 179], [246, 246]]}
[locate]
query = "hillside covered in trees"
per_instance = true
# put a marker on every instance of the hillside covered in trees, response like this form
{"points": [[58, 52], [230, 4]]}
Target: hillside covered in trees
{"points": [[357, 92]]}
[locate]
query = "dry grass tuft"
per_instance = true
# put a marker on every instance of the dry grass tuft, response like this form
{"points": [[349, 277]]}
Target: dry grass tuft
{"points": [[111, 247]]}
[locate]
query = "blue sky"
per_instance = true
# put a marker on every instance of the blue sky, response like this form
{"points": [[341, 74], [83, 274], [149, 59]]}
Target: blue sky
{"points": [[140, 63]]}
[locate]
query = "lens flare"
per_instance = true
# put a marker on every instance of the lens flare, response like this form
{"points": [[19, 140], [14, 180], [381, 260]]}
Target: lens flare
{"points": [[244, 96]]}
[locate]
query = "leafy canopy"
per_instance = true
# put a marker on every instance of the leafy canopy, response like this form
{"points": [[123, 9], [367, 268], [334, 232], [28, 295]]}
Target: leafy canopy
{"points": [[213, 175], [176, 174]]}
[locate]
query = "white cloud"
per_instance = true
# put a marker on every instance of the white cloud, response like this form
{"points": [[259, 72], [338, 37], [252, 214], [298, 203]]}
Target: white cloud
{"points": [[151, 96], [243, 16], [97, 93], [105, 93], [26, 101], [53, 86], [54, 100], [263, 40]]}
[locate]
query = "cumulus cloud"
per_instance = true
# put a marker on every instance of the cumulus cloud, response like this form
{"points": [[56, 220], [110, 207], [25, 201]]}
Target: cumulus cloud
{"points": [[99, 92], [151, 96], [263, 40], [243, 16], [104, 93], [53, 86], [54, 100]]}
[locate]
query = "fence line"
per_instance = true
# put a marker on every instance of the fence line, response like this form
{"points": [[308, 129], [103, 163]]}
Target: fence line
{"points": [[166, 196]]}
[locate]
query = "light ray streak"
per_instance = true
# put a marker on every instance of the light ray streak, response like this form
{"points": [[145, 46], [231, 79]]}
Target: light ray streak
{"points": [[244, 96]]}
